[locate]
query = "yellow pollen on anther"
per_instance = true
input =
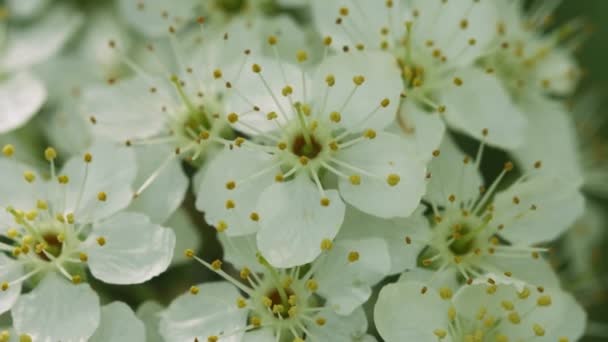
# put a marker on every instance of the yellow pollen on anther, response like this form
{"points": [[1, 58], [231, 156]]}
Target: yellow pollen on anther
{"points": [[4, 286], [355, 179], [8, 150], [312, 285], [194, 290], [326, 245], [244, 273], [83, 257], [42, 205], [29, 176], [514, 317], [320, 321], [216, 265], [233, 117], [303, 160], [256, 68], [358, 80], [63, 179], [385, 102], [393, 179], [445, 293], [325, 201], [12, 233], [50, 154], [221, 226], [335, 117], [369, 133], [189, 253], [272, 40], [213, 338], [507, 305], [25, 338], [330, 80], [102, 196], [353, 256], [255, 321], [287, 90], [544, 300], [254, 216], [538, 330], [230, 204], [524, 293], [76, 279], [101, 241], [301, 56], [88, 158], [217, 73], [241, 303], [440, 333]]}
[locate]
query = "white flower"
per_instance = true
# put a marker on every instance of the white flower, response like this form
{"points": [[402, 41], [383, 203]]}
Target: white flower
{"points": [[476, 229], [307, 131], [436, 44], [319, 302], [480, 312], [56, 229], [21, 93]]}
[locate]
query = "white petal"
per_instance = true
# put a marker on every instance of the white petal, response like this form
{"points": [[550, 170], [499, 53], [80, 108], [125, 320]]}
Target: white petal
{"points": [[264, 90], [340, 328], [422, 129], [208, 313], [111, 171], [382, 156], [149, 313], [236, 165], [102, 25], [481, 103], [536, 272], [447, 278], [557, 205], [347, 285], [187, 235], [21, 96], [159, 200], [119, 323], [9, 270], [358, 225], [451, 176], [26, 8], [135, 250], [14, 190], [241, 251], [57, 310], [38, 42], [293, 223], [148, 17], [359, 110], [557, 147], [403, 313], [127, 109], [558, 67]]}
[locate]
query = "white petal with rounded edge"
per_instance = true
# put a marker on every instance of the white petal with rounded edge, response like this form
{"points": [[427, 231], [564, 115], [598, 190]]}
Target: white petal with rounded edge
{"points": [[149, 313], [153, 17], [346, 285], [241, 251], [481, 103], [420, 128], [340, 328], [293, 223], [546, 208], [451, 176], [536, 272], [235, 165], [210, 312], [57, 310], [21, 96], [135, 249], [403, 313], [119, 324], [358, 225], [15, 191], [111, 171], [39, 41], [382, 156], [159, 200], [127, 109], [9, 270], [359, 106], [551, 138], [187, 235]]}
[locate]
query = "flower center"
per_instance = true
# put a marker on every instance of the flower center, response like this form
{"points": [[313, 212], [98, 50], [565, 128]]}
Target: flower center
{"points": [[303, 148], [463, 239], [282, 301], [231, 6], [54, 247]]}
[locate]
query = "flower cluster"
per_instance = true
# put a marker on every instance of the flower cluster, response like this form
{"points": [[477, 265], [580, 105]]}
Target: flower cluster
{"points": [[399, 170]]}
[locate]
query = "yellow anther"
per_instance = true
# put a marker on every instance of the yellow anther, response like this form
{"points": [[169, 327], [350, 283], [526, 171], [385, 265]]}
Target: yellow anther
{"points": [[221, 226], [29, 176], [271, 116], [353, 256], [267, 302], [358, 80], [88, 158], [5, 336], [514, 317], [254, 216], [230, 204], [440, 333], [335, 116], [301, 56], [102, 196], [287, 90], [524, 293], [458, 82], [491, 289], [59, 217], [25, 338], [502, 338], [217, 73], [28, 239], [544, 300], [101, 241], [256, 68], [233, 118], [76, 279], [507, 305], [255, 321], [330, 80], [239, 141], [333, 145], [83, 257], [325, 201], [538, 330], [272, 40], [60, 237], [445, 293], [327, 41], [194, 290], [70, 218], [16, 251], [293, 300], [343, 11], [393, 179], [50, 154], [369, 133], [42, 205], [326, 245], [563, 339], [213, 338], [4, 286], [303, 160], [278, 178], [320, 321], [231, 185], [216, 265], [385, 102], [244, 273], [12, 233], [241, 303], [63, 179], [312, 285], [355, 179], [189, 253], [8, 150], [204, 135], [278, 308]]}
